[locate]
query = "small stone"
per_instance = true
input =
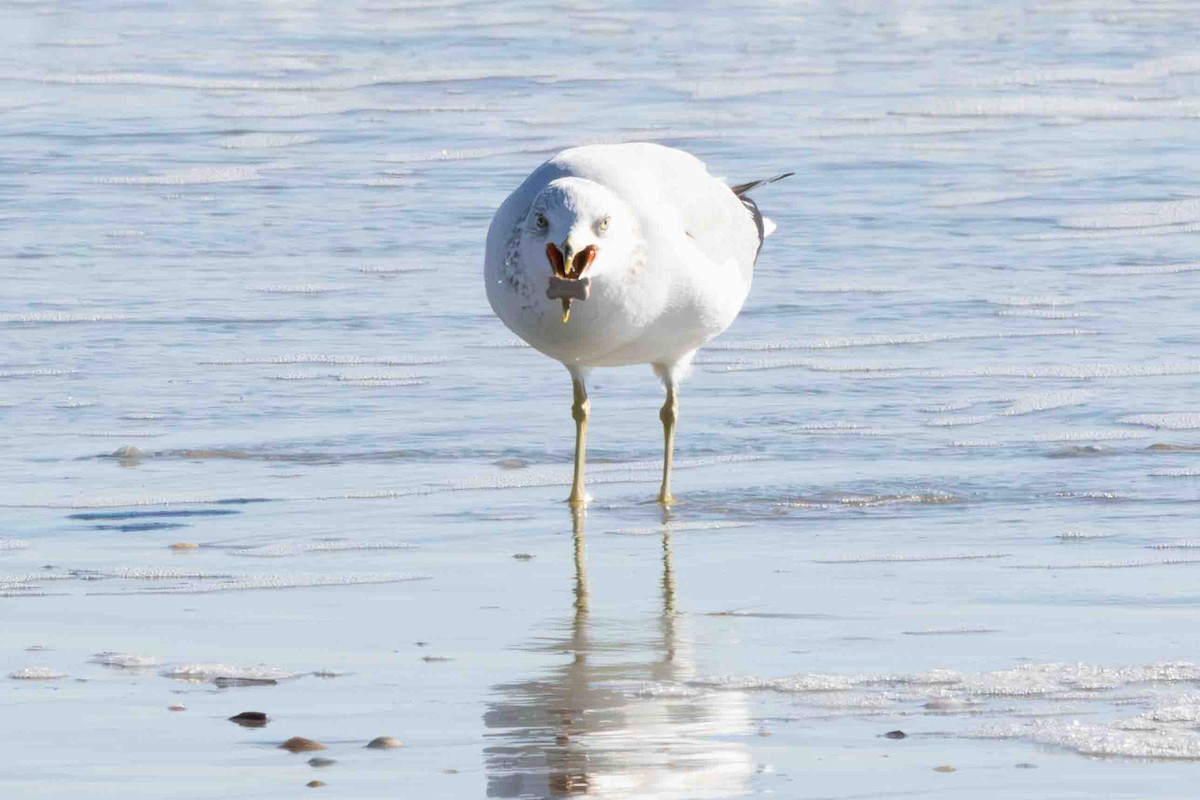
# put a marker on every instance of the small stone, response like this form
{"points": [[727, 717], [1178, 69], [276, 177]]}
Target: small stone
{"points": [[184, 546], [1026, 765], [523, 556], [317, 761], [895, 735], [315, 784], [435, 659], [511, 463], [944, 768], [250, 719], [384, 743], [177, 707], [298, 744], [450, 771]]}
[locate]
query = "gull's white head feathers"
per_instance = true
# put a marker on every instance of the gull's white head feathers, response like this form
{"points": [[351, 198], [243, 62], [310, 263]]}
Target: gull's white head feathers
{"points": [[573, 215]]}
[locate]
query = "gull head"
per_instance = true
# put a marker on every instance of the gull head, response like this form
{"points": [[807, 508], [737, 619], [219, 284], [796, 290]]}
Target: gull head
{"points": [[581, 231]]}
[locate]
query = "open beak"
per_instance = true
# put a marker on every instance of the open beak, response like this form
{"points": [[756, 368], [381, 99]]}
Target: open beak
{"points": [[568, 283]]}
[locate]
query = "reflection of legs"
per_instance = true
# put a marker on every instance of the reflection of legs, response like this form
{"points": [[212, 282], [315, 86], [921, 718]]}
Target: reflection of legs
{"points": [[668, 415], [668, 578], [581, 587], [580, 410]]}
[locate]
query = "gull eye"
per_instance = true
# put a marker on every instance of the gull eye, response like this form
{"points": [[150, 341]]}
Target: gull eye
{"points": [[541, 221], [602, 225]]}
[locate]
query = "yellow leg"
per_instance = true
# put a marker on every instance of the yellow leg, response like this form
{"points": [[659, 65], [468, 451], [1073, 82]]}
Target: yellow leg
{"points": [[579, 412], [668, 415]]}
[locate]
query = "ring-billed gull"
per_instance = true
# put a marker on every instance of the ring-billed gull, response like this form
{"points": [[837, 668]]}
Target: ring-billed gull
{"points": [[609, 255]]}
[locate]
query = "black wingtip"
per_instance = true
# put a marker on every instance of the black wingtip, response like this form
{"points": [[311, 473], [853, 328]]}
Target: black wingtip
{"points": [[742, 188]]}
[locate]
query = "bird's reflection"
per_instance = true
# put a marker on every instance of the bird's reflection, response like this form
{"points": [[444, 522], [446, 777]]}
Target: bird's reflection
{"points": [[617, 720]]}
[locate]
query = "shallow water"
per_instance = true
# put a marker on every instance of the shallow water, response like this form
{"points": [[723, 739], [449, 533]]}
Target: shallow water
{"points": [[941, 475]]}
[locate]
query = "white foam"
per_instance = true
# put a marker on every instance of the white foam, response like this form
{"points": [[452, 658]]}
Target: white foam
{"points": [[959, 421], [408, 76], [71, 403], [298, 580], [211, 671], [193, 176], [1042, 313], [1050, 301], [162, 574], [1055, 107], [1088, 436], [1165, 562], [676, 527], [298, 288], [1099, 740], [1175, 473], [60, 318], [1155, 214], [853, 288], [475, 154], [1115, 231], [144, 434], [755, 365], [1159, 269], [833, 429], [13, 544], [256, 141], [884, 340], [309, 358], [1140, 73], [33, 373], [976, 198], [124, 660], [387, 182], [899, 558], [282, 550], [391, 270], [1176, 421], [1081, 535], [1071, 371], [36, 674], [1046, 401], [375, 383]]}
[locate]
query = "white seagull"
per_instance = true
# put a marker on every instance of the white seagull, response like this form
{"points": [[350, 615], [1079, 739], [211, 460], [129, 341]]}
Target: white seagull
{"points": [[609, 255]]}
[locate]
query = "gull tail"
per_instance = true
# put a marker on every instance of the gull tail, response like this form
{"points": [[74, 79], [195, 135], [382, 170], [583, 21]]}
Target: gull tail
{"points": [[742, 188], [765, 226]]}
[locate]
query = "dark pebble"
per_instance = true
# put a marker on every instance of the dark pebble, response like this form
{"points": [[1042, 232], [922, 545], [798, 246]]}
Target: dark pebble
{"points": [[250, 719], [895, 735], [317, 761]]}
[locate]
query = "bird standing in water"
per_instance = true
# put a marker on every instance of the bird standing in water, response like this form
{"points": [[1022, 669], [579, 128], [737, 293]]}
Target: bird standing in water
{"points": [[610, 255]]}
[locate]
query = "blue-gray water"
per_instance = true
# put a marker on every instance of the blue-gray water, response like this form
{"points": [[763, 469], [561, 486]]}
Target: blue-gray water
{"points": [[941, 476]]}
